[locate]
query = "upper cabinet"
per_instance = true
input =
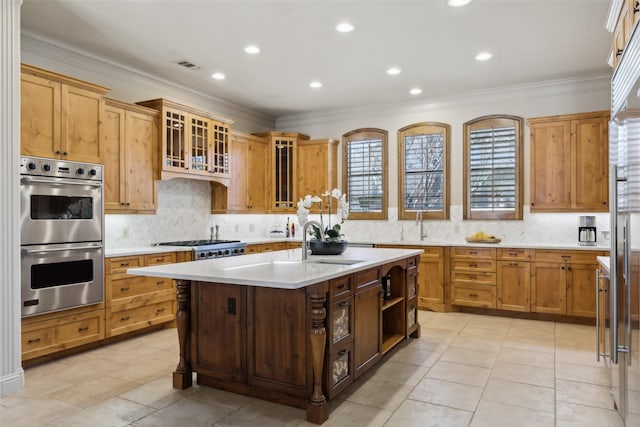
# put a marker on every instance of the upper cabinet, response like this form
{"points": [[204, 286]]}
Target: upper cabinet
{"points": [[195, 144], [130, 135], [317, 167], [569, 163], [60, 116], [248, 189], [621, 21], [283, 161]]}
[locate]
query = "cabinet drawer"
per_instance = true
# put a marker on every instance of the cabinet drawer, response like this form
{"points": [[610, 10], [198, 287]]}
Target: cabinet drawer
{"points": [[434, 251], [413, 261], [473, 295], [155, 259], [507, 254], [121, 264], [473, 278], [586, 257], [129, 286], [412, 282], [340, 287], [366, 278], [340, 372], [474, 265], [476, 253], [140, 317], [252, 249], [340, 321], [46, 337]]}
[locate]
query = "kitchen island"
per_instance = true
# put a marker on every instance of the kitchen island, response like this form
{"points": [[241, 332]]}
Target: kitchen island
{"points": [[274, 327]]}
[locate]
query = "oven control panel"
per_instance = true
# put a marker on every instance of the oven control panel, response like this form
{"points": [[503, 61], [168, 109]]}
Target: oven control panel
{"points": [[39, 166]]}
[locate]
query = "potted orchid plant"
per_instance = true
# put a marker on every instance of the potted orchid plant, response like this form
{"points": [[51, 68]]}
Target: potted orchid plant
{"points": [[325, 236]]}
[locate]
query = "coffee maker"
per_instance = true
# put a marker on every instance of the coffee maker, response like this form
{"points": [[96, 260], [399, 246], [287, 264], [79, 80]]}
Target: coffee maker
{"points": [[587, 231]]}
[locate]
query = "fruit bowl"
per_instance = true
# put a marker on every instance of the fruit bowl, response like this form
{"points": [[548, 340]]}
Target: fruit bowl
{"points": [[488, 240]]}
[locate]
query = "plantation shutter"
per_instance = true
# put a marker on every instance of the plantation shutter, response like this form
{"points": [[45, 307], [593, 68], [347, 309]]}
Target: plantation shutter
{"points": [[493, 169], [365, 175]]}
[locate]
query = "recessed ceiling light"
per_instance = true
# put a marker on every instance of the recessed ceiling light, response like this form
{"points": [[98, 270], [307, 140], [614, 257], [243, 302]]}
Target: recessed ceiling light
{"points": [[483, 56], [252, 49], [315, 85], [415, 91], [458, 3], [345, 27], [393, 71], [218, 76]]}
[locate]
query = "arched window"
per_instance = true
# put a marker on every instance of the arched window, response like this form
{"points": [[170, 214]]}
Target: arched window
{"points": [[423, 161], [493, 167], [364, 176]]}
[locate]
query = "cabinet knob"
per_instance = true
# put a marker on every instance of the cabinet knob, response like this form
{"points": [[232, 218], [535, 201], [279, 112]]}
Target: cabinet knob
{"points": [[619, 52], [636, 7], [64, 153], [58, 152]]}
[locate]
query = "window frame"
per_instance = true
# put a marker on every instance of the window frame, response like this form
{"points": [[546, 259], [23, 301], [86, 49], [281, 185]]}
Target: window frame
{"points": [[488, 122], [423, 128], [357, 135]]}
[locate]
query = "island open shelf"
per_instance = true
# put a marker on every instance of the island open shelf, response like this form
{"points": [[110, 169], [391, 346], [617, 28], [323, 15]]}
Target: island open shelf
{"points": [[297, 333]]}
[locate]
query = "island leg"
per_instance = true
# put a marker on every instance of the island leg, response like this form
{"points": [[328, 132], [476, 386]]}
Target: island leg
{"points": [[317, 409], [182, 377]]}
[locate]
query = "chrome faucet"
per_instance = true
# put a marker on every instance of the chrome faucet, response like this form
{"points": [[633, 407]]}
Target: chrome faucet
{"points": [[420, 220], [304, 237]]}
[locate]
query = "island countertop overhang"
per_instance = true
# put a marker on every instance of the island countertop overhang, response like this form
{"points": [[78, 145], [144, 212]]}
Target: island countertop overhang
{"points": [[279, 269]]}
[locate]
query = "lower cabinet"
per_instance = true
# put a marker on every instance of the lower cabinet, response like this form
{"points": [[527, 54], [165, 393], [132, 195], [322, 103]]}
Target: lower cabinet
{"points": [[49, 333], [368, 318], [137, 302], [513, 280]]}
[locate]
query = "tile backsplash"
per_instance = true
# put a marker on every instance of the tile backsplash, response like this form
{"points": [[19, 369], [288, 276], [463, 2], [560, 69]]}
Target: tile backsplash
{"points": [[184, 213]]}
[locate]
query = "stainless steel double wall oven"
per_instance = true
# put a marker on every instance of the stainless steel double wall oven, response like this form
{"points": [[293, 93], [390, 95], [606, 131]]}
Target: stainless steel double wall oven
{"points": [[61, 234]]}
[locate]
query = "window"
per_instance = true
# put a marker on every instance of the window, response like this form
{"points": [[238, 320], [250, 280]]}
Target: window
{"points": [[365, 173], [423, 159], [493, 165]]}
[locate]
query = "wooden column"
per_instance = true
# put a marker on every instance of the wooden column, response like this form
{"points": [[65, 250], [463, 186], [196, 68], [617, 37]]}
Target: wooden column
{"points": [[317, 409], [182, 377]]}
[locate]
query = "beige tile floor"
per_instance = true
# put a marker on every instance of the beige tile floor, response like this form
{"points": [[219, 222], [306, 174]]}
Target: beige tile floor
{"points": [[465, 370]]}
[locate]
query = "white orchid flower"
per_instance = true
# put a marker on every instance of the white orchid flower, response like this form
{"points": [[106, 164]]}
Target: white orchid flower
{"points": [[336, 193]]}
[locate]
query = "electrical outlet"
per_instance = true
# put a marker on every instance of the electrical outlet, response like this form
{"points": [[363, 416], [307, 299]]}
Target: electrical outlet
{"points": [[252, 228], [236, 228], [125, 233], [456, 228]]}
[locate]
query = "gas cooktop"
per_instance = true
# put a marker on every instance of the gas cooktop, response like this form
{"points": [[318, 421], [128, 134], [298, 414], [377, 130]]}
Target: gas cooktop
{"points": [[197, 243], [205, 249]]}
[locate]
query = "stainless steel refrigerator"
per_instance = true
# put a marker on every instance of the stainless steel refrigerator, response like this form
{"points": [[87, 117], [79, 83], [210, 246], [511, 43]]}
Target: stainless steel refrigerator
{"points": [[622, 346]]}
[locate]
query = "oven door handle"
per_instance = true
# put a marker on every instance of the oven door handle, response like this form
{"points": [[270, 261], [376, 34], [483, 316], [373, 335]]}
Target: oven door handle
{"points": [[59, 181], [73, 248]]}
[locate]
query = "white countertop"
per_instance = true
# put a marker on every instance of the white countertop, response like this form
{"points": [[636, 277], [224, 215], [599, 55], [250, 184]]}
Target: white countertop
{"points": [[604, 262], [143, 250], [279, 269]]}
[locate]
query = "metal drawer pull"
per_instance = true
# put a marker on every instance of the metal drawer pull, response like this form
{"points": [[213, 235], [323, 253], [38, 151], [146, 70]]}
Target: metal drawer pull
{"points": [[77, 248], [160, 310], [473, 295], [123, 319], [124, 289], [343, 352], [343, 304], [84, 328], [124, 264], [35, 340], [513, 253], [159, 259], [341, 286], [160, 282], [473, 265], [473, 253]]}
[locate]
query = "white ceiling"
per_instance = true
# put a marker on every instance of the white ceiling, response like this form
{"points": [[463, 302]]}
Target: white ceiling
{"points": [[433, 44]]}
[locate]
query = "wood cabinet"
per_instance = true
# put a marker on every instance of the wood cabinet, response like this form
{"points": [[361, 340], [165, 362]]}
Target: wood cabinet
{"points": [[340, 361], [130, 134], [60, 116], [368, 319], [513, 280], [473, 277], [317, 165], [137, 302], [432, 282], [195, 143], [283, 150], [248, 190], [53, 332], [569, 163], [562, 282]]}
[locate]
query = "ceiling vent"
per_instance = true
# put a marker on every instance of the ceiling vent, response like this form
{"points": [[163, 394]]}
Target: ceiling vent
{"points": [[188, 64]]}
